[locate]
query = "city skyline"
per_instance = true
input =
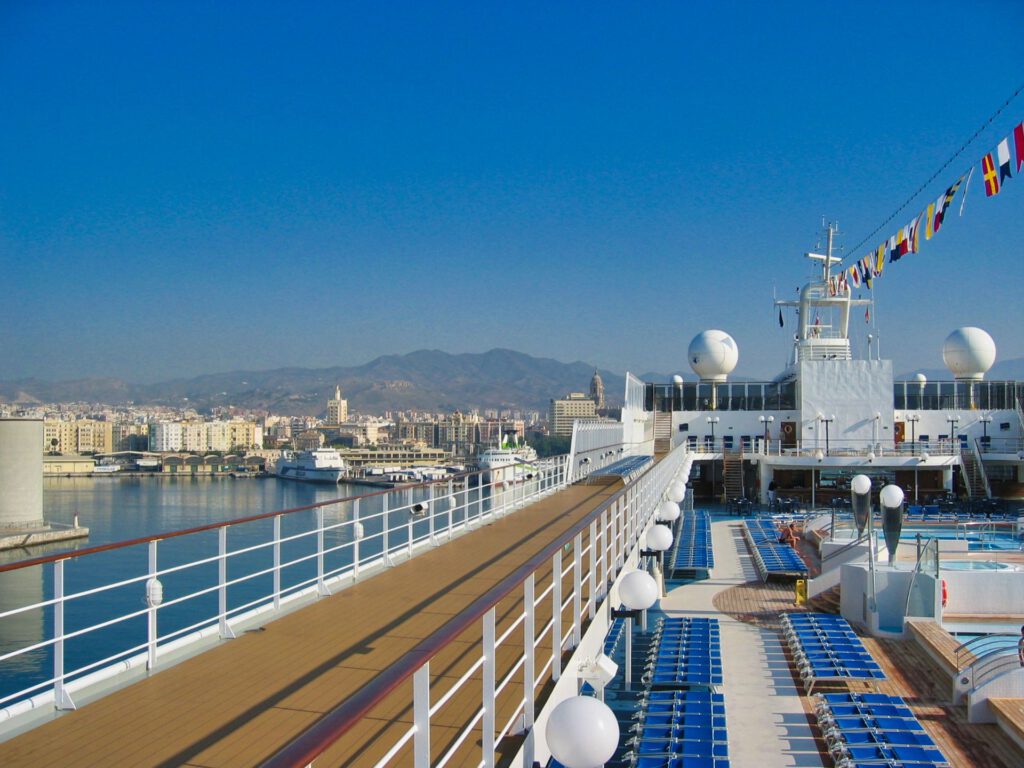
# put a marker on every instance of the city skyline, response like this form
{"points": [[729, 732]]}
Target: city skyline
{"points": [[192, 190]]}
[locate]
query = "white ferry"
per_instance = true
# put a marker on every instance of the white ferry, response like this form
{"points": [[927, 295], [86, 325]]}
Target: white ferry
{"points": [[323, 465], [508, 463]]}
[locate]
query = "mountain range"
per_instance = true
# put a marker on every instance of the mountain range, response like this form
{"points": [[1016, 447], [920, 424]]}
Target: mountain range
{"points": [[425, 380], [429, 380]]}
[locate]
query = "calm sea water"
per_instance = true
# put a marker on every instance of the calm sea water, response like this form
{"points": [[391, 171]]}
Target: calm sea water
{"points": [[123, 508]]}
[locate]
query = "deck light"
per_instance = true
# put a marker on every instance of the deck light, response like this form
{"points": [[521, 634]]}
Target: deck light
{"points": [[154, 592], [659, 538], [676, 491], [638, 590], [668, 511], [891, 498], [871, 456], [819, 455], [582, 732], [925, 456]]}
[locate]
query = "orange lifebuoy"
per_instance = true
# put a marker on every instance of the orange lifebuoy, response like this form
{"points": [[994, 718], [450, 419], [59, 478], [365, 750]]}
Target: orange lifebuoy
{"points": [[945, 593]]}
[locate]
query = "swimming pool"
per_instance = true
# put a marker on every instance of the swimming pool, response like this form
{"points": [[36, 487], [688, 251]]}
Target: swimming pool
{"points": [[977, 541], [977, 565]]}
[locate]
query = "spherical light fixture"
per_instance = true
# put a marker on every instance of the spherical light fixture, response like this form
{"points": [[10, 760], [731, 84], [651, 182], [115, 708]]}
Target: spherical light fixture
{"points": [[860, 484], [925, 456], [891, 496], [668, 511], [676, 491], [659, 538], [638, 590], [819, 455], [582, 732]]}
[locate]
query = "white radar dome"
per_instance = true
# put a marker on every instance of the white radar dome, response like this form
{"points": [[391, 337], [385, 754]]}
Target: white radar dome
{"points": [[969, 352], [713, 355]]}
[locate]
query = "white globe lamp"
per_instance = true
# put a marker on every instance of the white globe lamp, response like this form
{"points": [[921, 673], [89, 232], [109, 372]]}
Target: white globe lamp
{"points": [[891, 496], [668, 511], [582, 732], [676, 491], [860, 484], [638, 590], [659, 538]]}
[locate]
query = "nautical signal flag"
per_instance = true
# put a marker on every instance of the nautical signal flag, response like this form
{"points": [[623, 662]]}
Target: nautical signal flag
{"points": [[988, 170], [1018, 143], [929, 216], [1003, 156]]}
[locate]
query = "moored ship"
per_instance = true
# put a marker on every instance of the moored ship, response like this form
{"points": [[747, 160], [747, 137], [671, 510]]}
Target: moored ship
{"points": [[323, 465]]}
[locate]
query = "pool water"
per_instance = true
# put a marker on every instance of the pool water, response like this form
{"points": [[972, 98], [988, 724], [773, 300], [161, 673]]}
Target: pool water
{"points": [[977, 565], [999, 540]]}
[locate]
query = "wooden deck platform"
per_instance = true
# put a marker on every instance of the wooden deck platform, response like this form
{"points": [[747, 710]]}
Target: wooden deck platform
{"points": [[1010, 716], [938, 644], [239, 703]]}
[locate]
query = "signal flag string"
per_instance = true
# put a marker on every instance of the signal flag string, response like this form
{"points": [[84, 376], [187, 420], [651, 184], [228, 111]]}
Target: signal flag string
{"points": [[945, 165]]}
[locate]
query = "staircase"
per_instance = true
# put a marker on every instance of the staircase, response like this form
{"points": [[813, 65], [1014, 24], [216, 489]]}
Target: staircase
{"points": [[974, 475], [662, 432], [732, 474]]}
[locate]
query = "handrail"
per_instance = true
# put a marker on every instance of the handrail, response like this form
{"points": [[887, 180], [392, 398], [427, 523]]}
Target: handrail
{"points": [[843, 549], [338, 721], [995, 666], [72, 554], [970, 648]]}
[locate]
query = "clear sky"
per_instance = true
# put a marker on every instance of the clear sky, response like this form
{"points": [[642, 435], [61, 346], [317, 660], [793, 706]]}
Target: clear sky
{"points": [[195, 187]]}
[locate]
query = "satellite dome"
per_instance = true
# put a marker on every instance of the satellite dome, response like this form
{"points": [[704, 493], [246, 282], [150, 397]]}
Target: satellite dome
{"points": [[713, 355], [968, 353]]}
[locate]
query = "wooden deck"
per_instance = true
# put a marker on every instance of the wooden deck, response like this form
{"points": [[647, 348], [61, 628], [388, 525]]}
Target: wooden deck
{"points": [[239, 703], [923, 681], [1010, 716], [938, 644]]}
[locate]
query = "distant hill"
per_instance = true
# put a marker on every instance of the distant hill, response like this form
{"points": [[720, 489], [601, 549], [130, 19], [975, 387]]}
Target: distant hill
{"points": [[1003, 370], [425, 380]]}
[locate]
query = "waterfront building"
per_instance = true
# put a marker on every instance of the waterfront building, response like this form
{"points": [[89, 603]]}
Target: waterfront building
{"points": [[68, 465], [399, 456], [77, 436], [337, 409], [566, 410]]}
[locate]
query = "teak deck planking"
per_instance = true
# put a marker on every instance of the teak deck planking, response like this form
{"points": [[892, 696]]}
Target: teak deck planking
{"points": [[238, 703]]}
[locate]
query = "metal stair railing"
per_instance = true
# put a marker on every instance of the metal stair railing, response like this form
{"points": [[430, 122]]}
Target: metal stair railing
{"points": [[978, 648], [982, 475]]}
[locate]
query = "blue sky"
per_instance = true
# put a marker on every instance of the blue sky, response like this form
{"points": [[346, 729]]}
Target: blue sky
{"points": [[189, 188]]}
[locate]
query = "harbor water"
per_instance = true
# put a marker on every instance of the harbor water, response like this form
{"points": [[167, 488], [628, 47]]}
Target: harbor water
{"points": [[117, 509]]}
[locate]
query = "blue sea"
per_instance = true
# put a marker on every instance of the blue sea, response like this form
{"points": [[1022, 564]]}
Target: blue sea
{"points": [[117, 509]]}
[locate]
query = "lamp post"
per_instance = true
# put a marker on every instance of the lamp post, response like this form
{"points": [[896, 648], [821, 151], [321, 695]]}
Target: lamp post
{"points": [[638, 591], [766, 420], [985, 421], [659, 538], [826, 420], [913, 418], [922, 460], [712, 420], [953, 421]]}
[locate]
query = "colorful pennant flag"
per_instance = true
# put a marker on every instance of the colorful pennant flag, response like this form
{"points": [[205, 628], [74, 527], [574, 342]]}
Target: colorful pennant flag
{"points": [[943, 202], [988, 170], [1018, 143], [929, 216], [880, 259], [1003, 156], [855, 276]]}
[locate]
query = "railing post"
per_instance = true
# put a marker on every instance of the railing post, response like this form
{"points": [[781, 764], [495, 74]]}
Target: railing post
{"points": [[488, 724], [61, 698], [613, 541], [277, 563], [577, 590], [529, 669], [432, 510], [357, 535], [321, 587], [452, 503], [386, 552], [222, 590], [421, 716], [603, 537], [151, 628], [408, 527], [593, 569], [556, 616]]}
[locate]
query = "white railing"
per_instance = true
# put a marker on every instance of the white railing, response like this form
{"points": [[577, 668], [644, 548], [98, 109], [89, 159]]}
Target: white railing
{"points": [[273, 559], [584, 564]]}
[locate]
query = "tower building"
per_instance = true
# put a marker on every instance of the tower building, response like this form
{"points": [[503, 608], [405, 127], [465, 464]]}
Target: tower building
{"points": [[597, 391], [337, 409]]}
